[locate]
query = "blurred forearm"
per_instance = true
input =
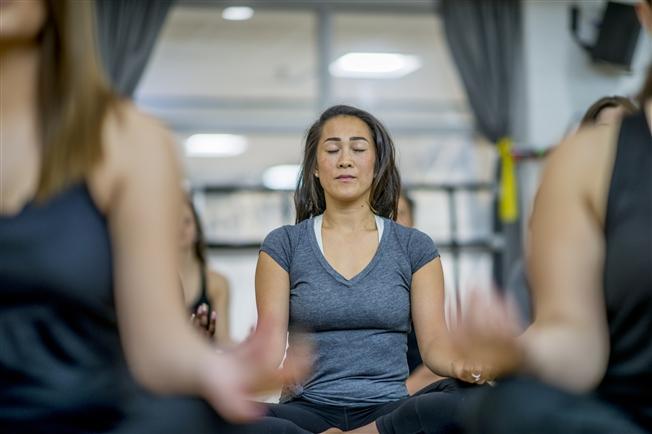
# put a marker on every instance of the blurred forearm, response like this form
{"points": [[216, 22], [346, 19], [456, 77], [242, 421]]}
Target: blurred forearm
{"points": [[439, 359], [560, 355], [168, 361]]}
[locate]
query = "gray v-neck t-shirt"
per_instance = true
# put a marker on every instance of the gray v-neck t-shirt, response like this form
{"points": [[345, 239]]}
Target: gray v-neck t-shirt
{"points": [[358, 326]]}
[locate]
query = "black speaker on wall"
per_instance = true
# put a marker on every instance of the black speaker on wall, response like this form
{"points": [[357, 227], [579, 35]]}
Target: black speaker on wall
{"points": [[617, 36]]}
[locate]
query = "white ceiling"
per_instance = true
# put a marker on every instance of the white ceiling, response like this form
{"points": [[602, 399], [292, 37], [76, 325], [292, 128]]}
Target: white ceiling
{"points": [[260, 78]]}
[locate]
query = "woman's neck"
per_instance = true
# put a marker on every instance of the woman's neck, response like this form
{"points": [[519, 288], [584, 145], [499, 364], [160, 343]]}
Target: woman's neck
{"points": [[349, 218], [19, 66]]}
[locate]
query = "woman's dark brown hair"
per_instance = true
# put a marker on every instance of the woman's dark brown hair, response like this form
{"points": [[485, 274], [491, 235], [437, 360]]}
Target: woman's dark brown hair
{"points": [[73, 97], [593, 112], [309, 197], [199, 245]]}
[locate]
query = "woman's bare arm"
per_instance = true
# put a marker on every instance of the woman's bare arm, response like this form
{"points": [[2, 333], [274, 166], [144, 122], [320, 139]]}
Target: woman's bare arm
{"points": [[137, 188], [568, 343], [427, 304], [142, 209], [273, 302]]}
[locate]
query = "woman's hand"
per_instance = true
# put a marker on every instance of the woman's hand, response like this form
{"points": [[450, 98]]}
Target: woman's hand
{"points": [[232, 379], [203, 321], [471, 372], [486, 339]]}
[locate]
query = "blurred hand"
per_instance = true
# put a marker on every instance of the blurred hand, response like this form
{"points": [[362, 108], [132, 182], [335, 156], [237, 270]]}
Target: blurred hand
{"points": [[203, 321], [487, 335], [472, 371], [232, 378]]}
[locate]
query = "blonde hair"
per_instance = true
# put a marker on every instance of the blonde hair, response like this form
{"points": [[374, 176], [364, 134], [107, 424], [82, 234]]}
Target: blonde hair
{"points": [[73, 96]]}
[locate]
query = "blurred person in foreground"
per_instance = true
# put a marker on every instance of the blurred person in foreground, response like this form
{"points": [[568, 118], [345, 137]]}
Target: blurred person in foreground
{"points": [[606, 110], [585, 364], [88, 254], [437, 403]]}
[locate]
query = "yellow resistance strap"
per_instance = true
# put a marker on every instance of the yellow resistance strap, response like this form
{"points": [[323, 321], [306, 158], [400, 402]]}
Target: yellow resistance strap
{"points": [[508, 210]]}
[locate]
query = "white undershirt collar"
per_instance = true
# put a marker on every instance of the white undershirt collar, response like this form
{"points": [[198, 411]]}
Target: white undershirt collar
{"points": [[319, 220]]}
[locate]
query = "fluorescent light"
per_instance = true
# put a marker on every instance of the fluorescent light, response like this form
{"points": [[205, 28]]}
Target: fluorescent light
{"points": [[215, 145], [282, 177], [374, 65], [237, 13]]}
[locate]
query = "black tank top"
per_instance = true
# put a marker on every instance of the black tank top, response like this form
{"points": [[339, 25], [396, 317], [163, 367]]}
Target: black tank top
{"points": [[60, 356], [628, 273], [202, 298]]}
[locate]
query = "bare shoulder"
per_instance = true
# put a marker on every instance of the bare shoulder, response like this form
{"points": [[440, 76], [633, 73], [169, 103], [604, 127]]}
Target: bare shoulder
{"points": [[135, 147], [582, 164], [588, 145], [132, 137]]}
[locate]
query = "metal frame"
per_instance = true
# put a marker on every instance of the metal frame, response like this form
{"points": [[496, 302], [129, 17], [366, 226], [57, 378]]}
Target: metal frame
{"points": [[362, 6], [490, 245]]}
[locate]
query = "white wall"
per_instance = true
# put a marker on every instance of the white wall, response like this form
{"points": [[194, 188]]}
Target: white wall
{"points": [[560, 81]]}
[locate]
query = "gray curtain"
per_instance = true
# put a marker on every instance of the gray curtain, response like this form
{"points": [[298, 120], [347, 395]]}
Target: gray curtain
{"points": [[127, 31], [484, 39]]}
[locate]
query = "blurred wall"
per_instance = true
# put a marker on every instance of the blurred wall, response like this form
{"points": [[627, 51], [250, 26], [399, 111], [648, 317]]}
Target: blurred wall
{"points": [[560, 82]]}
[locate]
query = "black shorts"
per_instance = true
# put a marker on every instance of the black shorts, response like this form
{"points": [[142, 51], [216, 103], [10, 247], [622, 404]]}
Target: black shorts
{"points": [[317, 418]]}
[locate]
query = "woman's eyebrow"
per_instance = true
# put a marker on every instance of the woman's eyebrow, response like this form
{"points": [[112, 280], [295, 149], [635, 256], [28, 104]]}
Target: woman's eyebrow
{"points": [[351, 139]]}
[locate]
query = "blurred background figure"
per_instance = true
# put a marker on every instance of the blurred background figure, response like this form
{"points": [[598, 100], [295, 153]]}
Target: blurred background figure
{"points": [[405, 214], [205, 291]]}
